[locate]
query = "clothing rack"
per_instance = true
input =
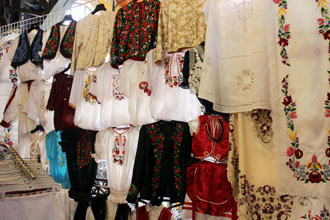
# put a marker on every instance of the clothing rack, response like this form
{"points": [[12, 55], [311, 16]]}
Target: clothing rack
{"points": [[44, 21], [24, 25]]}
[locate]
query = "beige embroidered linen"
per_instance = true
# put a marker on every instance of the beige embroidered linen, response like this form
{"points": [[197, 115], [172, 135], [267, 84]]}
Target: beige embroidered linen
{"points": [[181, 25], [92, 40], [300, 98], [236, 67]]}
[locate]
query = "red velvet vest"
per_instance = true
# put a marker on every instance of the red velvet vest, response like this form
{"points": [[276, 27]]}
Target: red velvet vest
{"points": [[211, 138]]}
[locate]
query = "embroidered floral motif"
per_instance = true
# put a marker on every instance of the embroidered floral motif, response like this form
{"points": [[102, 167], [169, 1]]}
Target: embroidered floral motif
{"points": [[177, 139], [263, 202], [135, 31], [313, 172], [283, 31], [115, 91], [7, 136], [133, 191], [246, 80], [244, 8], [67, 42], [157, 139], [35, 150], [61, 157], [262, 123], [118, 150], [5, 47], [144, 86], [86, 94], [52, 43], [84, 151], [170, 80], [324, 22], [13, 77], [324, 215]]}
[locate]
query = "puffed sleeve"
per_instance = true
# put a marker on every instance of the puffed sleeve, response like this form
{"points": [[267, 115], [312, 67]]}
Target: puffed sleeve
{"points": [[100, 146]]}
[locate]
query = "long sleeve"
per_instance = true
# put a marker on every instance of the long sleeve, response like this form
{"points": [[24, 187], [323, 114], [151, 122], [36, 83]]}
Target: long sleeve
{"points": [[100, 144], [140, 167], [13, 107]]}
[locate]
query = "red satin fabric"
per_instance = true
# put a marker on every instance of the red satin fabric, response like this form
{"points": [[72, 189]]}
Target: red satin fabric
{"points": [[211, 138], [209, 189]]}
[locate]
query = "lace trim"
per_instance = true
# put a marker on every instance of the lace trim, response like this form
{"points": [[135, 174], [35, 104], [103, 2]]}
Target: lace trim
{"points": [[196, 56]]}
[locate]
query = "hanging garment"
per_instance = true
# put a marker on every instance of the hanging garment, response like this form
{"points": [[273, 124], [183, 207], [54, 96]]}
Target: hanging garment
{"points": [[118, 148], [25, 55], [150, 212], [33, 146], [36, 108], [209, 191], [57, 159], [168, 101], [59, 101], [14, 110], [161, 162], [78, 144], [235, 74], [133, 83], [300, 98], [192, 69], [87, 107], [92, 41], [57, 51], [135, 31], [211, 139], [251, 168], [114, 103], [181, 26]]}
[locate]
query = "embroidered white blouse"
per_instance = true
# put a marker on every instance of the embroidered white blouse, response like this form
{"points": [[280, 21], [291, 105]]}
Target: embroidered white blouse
{"points": [[118, 147], [114, 103], [88, 110], [36, 108], [32, 146], [133, 83], [168, 101], [17, 102]]}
